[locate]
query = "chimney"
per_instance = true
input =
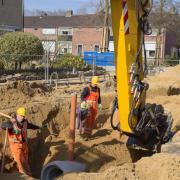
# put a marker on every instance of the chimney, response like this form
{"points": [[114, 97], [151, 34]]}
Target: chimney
{"points": [[69, 13]]}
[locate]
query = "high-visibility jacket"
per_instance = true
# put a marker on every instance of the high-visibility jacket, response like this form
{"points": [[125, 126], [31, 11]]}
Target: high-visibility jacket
{"points": [[19, 136], [93, 96], [92, 100], [86, 93]]}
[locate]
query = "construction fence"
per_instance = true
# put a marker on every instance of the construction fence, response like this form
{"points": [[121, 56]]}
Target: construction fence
{"points": [[40, 67]]}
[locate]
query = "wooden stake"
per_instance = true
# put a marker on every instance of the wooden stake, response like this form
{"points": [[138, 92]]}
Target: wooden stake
{"points": [[4, 150]]}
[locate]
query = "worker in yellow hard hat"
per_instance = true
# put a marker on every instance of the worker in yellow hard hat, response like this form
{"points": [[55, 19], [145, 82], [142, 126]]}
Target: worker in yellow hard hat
{"points": [[17, 135], [91, 96]]}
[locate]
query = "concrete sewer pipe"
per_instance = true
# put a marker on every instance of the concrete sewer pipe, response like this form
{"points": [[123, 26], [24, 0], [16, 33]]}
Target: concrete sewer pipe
{"points": [[59, 168]]}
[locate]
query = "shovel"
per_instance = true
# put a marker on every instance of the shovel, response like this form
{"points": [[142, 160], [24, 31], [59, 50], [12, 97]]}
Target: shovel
{"points": [[4, 150], [5, 143]]}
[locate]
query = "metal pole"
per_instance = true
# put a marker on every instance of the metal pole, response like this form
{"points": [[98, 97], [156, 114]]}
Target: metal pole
{"points": [[93, 64], [23, 14], [71, 143], [47, 66]]}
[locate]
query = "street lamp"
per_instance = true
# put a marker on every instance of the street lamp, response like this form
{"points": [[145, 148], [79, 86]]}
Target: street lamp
{"points": [[23, 15]]}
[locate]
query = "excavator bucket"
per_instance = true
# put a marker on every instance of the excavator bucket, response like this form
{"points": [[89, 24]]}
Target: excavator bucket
{"points": [[59, 168], [136, 144], [154, 129]]}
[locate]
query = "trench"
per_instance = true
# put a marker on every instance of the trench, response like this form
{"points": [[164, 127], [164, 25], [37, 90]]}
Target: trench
{"points": [[105, 149]]}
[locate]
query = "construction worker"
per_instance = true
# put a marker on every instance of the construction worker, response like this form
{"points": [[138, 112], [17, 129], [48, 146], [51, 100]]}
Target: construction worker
{"points": [[91, 97], [17, 135]]}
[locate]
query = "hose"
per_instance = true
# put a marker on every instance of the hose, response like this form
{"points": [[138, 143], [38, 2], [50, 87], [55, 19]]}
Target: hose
{"points": [[115, 107], [146, 29]]}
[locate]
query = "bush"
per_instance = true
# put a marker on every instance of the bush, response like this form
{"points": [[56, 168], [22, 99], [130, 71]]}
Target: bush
{"points": [[2, 65], [68, 61], [19, 47]]}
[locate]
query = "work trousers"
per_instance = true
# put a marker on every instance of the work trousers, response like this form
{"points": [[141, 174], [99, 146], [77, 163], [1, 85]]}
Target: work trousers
{"points": [[90, 121], [20, 153]]}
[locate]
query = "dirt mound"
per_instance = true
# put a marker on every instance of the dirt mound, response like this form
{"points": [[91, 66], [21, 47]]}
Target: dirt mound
{"points": [[160, 167], [161, 83], [19, 93]]}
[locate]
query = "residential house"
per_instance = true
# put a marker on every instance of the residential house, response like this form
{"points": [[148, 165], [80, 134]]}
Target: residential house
{"points": [[78, 33], [67, 34]]}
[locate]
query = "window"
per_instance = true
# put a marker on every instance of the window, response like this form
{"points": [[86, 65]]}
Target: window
{"points": [[65, 47], [96, 48], [49, 46], [49, 31], [65, 50], [79, 49], [65, 33], [151, 53]]}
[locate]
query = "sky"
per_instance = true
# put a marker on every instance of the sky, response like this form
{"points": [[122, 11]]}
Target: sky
{"points": [[50, 5]]}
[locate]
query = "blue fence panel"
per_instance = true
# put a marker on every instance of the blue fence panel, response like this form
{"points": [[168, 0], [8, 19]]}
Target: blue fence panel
{"points": [[99, 59]]}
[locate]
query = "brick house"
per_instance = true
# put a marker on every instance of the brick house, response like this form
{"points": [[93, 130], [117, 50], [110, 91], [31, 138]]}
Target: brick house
{"points": [[67, 34], [78, 33], [11, 15]]}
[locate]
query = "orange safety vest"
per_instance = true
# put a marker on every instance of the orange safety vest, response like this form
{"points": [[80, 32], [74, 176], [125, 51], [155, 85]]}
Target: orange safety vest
{"points": [[18, 138], [93, 96]]}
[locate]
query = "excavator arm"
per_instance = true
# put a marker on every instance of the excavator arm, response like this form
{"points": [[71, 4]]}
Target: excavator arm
{"points": [[137, 119]]}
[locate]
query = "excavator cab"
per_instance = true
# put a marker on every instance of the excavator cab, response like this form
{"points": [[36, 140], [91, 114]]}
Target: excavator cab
{"points": [[147, 125]]}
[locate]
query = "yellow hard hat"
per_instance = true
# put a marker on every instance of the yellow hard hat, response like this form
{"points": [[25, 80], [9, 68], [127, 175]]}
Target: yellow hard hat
{"points": [[21, 111], [95, 80]]}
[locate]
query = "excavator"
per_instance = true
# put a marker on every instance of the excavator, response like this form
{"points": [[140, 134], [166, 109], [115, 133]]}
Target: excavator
{"points": [[147, 125]]}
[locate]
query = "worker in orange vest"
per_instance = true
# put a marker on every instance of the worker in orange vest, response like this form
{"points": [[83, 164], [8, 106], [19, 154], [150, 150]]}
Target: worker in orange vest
{"points": [[91, 97], [17, 135]]}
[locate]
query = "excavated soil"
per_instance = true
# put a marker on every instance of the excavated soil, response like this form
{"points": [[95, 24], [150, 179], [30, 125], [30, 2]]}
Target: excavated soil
{"points": [[105, 155]]}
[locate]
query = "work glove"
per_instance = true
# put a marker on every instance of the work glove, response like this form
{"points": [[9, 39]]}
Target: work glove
{"points": [[100, 107], [84, 105]]}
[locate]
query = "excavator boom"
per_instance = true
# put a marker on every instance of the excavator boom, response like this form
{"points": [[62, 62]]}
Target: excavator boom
{"points": [[127, 42], [140, 121]]}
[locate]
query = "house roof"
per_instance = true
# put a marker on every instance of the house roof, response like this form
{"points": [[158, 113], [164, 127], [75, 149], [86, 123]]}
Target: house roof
{"points": [[90, 20]]}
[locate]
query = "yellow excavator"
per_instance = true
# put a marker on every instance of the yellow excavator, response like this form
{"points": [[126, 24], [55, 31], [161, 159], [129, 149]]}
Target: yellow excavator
{"points": [[147, 125]]}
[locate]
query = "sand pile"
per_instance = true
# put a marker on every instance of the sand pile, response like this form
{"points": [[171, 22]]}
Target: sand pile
{"points": [[20, 92], [165, 90], [162, 166], [165, 83]]}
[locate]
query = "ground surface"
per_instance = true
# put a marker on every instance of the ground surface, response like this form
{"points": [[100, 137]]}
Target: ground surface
{"points": [[105, 154]]}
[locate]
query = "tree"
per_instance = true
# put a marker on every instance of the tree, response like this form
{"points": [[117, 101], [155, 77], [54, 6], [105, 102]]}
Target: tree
{"points": [[2, 66], [69, 61], [165, 16], [82, 10], [39, 12], [18, 47]]}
